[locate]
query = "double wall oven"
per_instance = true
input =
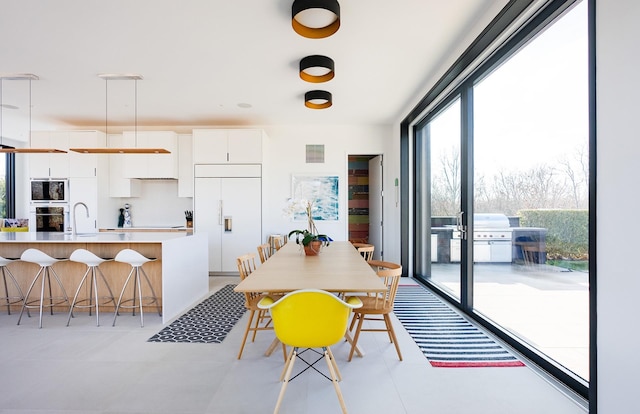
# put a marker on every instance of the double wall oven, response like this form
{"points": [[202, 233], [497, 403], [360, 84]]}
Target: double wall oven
{"points": [[49, 205]]}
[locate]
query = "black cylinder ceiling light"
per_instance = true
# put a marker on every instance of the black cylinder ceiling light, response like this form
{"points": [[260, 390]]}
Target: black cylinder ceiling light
{"points": [[318, 99], [315, 19], [317, 69]]}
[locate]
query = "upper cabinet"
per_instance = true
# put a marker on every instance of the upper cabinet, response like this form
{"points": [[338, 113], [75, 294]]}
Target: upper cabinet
{"points": [[86, 165], [185, 166], [71, 164], [54, 165], [227, 146], [151, 166]]}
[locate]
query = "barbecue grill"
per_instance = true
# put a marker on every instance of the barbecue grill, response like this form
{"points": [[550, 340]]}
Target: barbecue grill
{"points": [[492, 239]]}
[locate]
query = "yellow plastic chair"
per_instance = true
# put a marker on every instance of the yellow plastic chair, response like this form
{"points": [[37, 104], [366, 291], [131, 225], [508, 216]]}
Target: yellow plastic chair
{"points": [[310, 318]]}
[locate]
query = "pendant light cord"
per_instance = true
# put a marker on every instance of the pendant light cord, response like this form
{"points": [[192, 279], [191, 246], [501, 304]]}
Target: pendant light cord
{"points": [[1, 110], [29, 112]]}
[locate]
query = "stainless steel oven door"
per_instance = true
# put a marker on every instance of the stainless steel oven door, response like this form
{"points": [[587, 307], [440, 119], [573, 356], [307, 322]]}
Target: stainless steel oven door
{"points": [[51, 218], [49, 191]]}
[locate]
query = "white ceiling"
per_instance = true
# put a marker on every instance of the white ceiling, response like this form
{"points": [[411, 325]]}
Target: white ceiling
{"points": [[201, 58]]}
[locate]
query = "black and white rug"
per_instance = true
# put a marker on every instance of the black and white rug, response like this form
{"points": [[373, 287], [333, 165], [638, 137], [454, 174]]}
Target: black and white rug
{"points": [[447, 339], [208, 322]]}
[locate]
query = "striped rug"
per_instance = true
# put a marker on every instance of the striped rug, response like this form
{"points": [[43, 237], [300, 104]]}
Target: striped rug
{"points": [[446, 338]]}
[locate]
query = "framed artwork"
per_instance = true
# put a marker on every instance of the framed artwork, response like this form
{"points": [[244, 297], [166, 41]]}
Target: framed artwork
{"points": [[321, 190]]}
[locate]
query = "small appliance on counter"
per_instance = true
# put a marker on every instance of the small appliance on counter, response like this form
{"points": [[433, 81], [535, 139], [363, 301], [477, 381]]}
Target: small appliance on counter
{"points": [[127, 216]]}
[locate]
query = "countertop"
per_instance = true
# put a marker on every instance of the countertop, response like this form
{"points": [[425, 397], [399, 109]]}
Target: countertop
{"points": [[108, 237]]}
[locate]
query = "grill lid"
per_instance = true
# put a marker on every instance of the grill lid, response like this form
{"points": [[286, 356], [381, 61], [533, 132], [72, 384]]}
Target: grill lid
{"points": [[490, 221]]}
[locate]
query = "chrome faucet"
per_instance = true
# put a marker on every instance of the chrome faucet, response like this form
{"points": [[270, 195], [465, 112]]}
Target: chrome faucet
{"points": [[74, 230]]}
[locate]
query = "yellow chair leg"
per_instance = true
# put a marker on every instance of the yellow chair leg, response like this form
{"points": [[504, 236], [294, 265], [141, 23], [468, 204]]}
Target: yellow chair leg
{"points": [[289, 368], [334, 379], [335, 365]]}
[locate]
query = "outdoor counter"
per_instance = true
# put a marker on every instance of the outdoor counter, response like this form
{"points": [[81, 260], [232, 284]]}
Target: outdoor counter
{"points": [[179, 275]]}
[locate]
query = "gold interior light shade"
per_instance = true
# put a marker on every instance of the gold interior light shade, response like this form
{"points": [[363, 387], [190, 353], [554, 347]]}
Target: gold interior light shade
{"points": [[318, 99], [317, 69], [315, 19]]}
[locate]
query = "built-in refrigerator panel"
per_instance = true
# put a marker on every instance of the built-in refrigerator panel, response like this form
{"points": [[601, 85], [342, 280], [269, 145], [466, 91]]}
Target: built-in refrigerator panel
{"points": [[229, 209]]}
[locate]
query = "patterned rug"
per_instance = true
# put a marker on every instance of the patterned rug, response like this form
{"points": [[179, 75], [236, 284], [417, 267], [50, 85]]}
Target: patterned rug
{"points": [[208, 322], [447, 339]]}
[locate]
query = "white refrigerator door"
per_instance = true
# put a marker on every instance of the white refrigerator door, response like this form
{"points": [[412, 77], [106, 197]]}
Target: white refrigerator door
{"points": [[229, 210], [242, 219], [207, 216]]}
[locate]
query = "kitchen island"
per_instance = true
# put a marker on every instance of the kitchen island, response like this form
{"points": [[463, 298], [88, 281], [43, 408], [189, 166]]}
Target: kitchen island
{"points": [[179, 275]]}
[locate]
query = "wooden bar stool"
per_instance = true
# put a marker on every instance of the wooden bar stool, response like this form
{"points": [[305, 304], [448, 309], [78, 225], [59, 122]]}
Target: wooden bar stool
{"points": [[46, 270], [136, 260], [8, 298], [93, 262]]}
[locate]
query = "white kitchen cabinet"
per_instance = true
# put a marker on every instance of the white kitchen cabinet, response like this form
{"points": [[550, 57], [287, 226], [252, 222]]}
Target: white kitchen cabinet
{"points": [[227, 207], [151, 166], [49, 165], [119, 186], [85, 190], [86, 165], [228, 146], [185, 166]]}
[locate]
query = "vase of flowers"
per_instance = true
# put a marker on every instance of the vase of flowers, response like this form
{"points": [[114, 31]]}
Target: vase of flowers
{"points": [[309, 238]]}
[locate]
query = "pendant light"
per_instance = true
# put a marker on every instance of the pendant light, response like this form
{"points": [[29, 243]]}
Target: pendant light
{"points": [[30, 77], [315, 19], [135, 150]]}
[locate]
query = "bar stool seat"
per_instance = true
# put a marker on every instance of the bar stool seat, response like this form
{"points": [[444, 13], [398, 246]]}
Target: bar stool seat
{"points": [[46, 270], [136, 260], [8, 298], [93, 262]]}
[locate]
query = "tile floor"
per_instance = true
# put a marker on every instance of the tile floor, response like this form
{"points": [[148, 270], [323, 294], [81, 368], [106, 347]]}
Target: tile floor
{"points": [[111, 370]]}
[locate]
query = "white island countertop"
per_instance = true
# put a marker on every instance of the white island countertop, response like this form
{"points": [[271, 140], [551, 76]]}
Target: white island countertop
{"points": [[106, 237]]}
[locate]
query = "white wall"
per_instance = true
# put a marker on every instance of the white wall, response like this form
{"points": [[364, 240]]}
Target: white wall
{"points": [[285, 156], [158, 205], [618, 196]]}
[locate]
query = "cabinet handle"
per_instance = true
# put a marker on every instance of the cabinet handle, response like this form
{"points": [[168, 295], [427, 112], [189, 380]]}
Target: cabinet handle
{"points": [[220, 213]]}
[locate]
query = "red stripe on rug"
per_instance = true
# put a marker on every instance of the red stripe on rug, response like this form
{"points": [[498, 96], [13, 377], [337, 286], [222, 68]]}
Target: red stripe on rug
{"points": [[479, 364]]}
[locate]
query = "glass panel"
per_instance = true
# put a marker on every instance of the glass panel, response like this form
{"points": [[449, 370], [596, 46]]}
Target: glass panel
{"points": [[3, 185], [439, 200], [531, 160]]}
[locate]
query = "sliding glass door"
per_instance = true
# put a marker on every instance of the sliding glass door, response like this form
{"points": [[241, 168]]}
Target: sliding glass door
{"points": [[507, 155]]}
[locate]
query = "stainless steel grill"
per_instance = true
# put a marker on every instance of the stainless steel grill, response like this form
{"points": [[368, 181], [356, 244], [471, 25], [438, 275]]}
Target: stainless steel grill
{"points": [[492, 239]]}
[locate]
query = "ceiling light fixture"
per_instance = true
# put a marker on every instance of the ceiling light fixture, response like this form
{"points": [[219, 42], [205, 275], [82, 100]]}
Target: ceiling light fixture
{"points": [[129, 150], [315, 19], [318, 99], [21, 76], [317, 69]]}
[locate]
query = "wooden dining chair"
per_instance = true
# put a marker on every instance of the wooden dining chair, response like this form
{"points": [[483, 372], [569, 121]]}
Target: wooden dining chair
{"points": [[246, 265], [264, 251], [366, 251], [378, 307]]}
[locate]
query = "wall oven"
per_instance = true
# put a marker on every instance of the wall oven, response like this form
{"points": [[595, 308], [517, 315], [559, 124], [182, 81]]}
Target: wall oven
{"points": [[49, 191], [51, 218]]}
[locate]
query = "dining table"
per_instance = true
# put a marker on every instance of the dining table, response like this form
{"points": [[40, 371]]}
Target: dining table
{"points": [[338, 268]]}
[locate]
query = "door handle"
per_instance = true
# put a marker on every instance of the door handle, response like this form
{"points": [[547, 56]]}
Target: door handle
{"points": [[220, 213], [460, 227]]}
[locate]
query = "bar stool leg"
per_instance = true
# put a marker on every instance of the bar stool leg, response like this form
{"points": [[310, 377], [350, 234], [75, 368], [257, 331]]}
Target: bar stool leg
{"points": [[25, 303], [8, 298]]}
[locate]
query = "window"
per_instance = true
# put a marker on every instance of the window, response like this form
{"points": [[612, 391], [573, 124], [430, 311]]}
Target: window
{"points": [[510, 145]]}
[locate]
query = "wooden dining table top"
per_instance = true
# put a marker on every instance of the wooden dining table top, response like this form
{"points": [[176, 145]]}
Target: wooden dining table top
{"points": [[338, 268]]}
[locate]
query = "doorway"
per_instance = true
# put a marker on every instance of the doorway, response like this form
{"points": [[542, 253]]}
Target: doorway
{"points": [[365, 201]]}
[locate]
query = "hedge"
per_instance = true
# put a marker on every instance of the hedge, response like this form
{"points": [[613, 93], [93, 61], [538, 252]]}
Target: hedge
{"points": [[567, 231]]}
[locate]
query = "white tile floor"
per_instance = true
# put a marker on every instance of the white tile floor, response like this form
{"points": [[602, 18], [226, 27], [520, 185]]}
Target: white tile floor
{"points": [[110, 370]]}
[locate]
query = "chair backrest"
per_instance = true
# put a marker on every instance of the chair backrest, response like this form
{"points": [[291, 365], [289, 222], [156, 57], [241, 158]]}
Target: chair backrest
{"points": [[390, 274], [264, 251], [246, 265], [310, 318], [366, 251]]}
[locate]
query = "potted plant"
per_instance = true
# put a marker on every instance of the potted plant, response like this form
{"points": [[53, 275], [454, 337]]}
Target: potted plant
{"points": [[309, 238]]}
